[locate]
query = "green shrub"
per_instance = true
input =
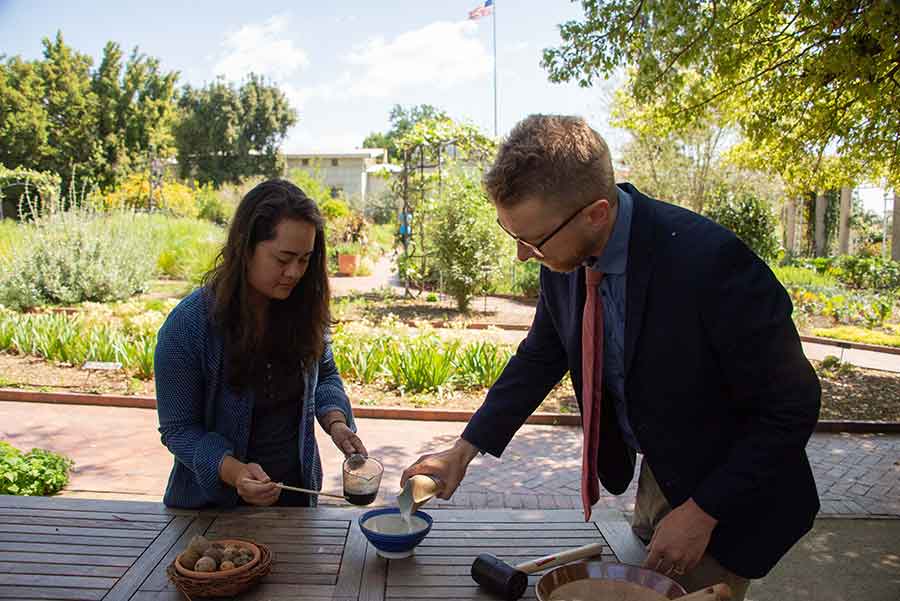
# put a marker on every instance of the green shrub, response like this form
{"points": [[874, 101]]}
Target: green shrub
{"points": [[35, 473], [466, 238], [77, 256], [749, 217], [213, 207], [528, 278]]}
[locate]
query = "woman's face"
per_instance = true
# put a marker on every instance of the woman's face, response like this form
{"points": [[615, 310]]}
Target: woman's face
{"points": [[278, 264]]}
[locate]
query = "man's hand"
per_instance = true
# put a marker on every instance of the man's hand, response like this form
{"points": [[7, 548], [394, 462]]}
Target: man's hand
{"points": [[680, 539], [250, 480], [448, 466]]}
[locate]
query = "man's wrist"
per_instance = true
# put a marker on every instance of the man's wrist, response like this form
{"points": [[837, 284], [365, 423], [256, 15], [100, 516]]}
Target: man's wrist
{"points": [[466, 449]]}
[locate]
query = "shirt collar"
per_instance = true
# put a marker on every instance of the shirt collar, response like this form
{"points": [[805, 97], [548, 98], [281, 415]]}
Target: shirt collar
{"points": [[614, 259]]}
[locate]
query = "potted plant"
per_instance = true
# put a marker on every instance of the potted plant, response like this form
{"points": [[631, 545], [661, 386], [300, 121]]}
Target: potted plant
{"points": [[348, 258]]}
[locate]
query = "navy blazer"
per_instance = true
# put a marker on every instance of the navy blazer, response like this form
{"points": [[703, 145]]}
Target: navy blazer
{"points": [[720, 395]]}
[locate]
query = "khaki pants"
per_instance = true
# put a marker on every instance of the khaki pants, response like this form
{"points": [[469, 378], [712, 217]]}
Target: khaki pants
{"points": [[649, 509]]}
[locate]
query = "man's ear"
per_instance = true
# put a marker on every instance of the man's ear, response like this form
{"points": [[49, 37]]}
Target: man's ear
{"points": [[598, 213]]}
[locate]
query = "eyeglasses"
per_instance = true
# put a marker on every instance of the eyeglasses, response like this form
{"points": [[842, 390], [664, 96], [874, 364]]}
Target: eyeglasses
{"points": [[535, 249]]}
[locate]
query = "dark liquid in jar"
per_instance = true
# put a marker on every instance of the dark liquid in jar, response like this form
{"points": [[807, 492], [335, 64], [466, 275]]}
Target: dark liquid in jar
{"points": [[365, 499]]}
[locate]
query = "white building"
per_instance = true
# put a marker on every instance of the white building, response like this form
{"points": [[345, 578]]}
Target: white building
{"points": [[355, 174]]}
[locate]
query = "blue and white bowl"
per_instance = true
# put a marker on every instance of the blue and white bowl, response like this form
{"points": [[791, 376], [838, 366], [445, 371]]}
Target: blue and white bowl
{"points": [[391, 545]]}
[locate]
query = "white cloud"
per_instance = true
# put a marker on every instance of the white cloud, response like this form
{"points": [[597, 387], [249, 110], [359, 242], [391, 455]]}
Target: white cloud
{"points": [[262, 49], [441, 54]]}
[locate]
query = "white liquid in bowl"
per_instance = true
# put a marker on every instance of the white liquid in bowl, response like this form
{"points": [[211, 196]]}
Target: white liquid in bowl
{"points": [[393, 523]]}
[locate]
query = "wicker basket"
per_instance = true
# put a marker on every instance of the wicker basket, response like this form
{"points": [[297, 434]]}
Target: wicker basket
{"points": [[222, 587]]}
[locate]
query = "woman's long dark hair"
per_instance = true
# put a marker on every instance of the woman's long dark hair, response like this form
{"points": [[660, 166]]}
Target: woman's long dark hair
{"points": [[295, 327]]}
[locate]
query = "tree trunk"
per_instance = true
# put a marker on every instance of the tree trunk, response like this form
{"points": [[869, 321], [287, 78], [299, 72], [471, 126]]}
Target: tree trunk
{"points": [[821, 207], [895, 231], [844, 228], [790, 226]]}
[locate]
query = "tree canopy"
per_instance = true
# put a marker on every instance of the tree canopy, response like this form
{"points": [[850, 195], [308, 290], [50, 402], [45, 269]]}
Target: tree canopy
{"points": [[801, 79], [402, 121]]}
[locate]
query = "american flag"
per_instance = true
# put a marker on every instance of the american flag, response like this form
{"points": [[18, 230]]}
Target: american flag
{"points": [[482, 11]]}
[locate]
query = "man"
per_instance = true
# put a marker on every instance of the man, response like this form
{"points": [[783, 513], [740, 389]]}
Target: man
{"points": [[681, 347]]}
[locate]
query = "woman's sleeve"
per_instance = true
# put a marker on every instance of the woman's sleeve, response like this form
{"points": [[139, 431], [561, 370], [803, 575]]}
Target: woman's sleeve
{"points": [[330, 393], [180, 404]]}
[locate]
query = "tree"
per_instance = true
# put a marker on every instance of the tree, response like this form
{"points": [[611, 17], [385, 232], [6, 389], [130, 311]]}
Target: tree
{"points": [[72, 108], [24, 122], [57, 115], [402, 121], [801, 80], [226, 133]]}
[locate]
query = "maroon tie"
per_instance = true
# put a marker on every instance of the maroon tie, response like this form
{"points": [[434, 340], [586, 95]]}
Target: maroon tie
{"points": [[592, 377]]}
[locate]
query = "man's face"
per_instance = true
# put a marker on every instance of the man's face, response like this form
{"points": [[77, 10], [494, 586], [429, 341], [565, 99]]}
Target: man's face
{"points": [[579, 233]]}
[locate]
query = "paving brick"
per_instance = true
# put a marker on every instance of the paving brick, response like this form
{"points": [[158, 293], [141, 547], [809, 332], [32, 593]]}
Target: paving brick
{"points": [[118, 455]]}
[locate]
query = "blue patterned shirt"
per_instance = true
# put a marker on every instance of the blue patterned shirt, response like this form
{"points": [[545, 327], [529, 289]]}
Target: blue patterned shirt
{"points": [[613, 263], [201, 419]]}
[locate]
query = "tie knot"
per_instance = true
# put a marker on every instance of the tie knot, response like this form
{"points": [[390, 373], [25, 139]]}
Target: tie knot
{"points": [[593, 277]]}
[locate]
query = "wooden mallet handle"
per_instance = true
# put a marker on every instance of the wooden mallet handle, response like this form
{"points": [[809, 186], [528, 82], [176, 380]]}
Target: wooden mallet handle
{"points": [[558, 559]]}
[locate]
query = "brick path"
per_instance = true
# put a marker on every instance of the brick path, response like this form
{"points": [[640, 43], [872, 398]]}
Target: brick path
{"points": [[118, 455]]}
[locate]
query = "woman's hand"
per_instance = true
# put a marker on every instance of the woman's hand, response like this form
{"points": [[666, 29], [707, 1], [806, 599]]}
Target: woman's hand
{"points": [[345, 440], [251, 481]]}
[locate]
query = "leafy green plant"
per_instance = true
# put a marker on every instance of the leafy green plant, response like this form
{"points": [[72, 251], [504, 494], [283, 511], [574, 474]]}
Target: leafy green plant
{"points": [[35, 473], [424, 364], [360, 359], [481, 363], [466, 238]]}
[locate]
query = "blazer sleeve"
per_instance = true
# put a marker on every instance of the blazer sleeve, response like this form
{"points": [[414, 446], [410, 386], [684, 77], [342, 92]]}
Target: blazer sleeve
{"points": [[330, 393], [180, 403], [538, 365], [747, 317]]}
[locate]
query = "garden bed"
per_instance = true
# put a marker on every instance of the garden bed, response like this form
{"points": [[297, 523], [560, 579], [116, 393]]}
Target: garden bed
{"points": [[848, 393]]}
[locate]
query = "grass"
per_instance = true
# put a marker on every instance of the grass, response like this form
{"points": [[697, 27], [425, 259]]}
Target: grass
{"points": [[798, 276], [863, 335]]}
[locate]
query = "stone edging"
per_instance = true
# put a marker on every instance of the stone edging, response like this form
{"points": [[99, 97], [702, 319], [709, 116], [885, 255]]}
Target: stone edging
{"points": [[877, 348], [399, 413]]}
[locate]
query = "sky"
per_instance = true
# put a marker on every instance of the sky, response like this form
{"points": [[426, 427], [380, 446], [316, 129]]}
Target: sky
{"points": [[343, 64]]}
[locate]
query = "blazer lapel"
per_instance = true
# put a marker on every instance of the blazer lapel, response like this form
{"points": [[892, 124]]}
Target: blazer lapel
{"points": [[640, 265]]}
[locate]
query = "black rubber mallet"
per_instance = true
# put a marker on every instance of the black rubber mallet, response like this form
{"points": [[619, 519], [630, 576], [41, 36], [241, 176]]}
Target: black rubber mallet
{"points": [[510, 582]]}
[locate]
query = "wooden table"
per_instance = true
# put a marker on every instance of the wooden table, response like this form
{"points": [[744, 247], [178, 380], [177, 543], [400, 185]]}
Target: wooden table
{"points": [[58, 548]]}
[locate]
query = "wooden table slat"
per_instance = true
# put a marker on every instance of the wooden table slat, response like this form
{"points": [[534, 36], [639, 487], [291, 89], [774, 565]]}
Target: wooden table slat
{"points": [[75, 531], [51, 549], [51, 581], [21, 593], [487, 543], [150, 527], [62, 539], [87, 515], [51, 569], [472, 591], [352, 564], [65, 558], [122, 508]]}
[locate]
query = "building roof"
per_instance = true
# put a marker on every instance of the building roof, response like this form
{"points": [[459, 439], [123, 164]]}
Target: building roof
{"points": [[359, 153]]}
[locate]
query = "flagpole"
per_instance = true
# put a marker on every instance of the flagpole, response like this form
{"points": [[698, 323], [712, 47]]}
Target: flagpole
{"points": [[494, 22]]}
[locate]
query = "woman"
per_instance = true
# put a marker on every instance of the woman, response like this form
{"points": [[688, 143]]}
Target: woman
{"points": [[243, 364]]}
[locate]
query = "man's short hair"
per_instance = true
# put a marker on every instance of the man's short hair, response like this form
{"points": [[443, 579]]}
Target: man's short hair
{"points": [[557, 158]]}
